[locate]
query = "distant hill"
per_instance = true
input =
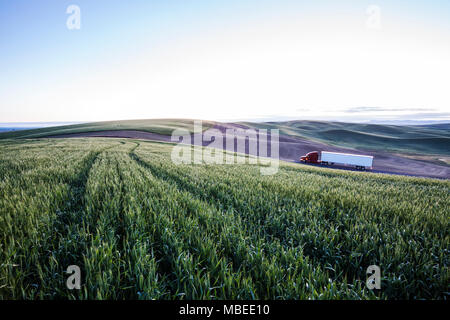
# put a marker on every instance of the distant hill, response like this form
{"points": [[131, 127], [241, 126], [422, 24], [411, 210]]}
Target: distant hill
{"points": [[434, 138], [160, 126]]}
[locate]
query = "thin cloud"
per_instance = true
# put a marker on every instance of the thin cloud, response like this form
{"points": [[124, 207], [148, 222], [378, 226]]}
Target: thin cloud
{"points": [[428, 115], [381, 109]]}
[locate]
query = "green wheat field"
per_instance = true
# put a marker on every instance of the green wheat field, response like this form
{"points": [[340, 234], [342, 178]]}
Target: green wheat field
{"points": [[141, 227]]}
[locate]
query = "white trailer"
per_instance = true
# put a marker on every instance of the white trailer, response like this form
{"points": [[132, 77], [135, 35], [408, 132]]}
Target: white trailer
{"points": [[360, 161]]}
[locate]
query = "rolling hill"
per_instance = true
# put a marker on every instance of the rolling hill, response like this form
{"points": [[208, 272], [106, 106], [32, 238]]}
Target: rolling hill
{"points": [[159, 126], [433, 139], [410, 150]]}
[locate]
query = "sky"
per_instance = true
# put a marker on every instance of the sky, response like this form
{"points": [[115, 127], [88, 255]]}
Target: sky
{"points": [[224, 60]]}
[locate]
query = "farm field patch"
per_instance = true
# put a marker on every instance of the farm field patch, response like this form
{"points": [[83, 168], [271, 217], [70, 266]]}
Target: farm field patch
{"points": [[141, 227]]}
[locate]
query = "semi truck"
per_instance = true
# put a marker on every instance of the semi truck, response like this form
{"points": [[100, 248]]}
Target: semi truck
{"points": [[361, 162]]}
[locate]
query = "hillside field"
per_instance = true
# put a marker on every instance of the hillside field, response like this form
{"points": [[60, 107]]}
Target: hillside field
{"points": [[159, 126], [414, 139], [422, 140], [141, 227]]}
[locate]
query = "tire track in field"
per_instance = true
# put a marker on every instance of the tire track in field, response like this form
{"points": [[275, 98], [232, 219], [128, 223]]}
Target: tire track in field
{"points": [[175, 180], [121, 228], [71, 216], [48, 269], [167, 262], [229, 253], [205, 195], [183, 186], [126, 247], [174, 177], [77, 190], [163, 266]]}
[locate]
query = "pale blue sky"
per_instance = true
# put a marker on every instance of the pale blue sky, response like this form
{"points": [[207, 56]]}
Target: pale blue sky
{"points": [[223, 60]]}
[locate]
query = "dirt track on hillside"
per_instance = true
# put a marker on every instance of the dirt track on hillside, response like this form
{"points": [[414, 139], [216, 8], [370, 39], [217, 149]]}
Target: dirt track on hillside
{"points": [[292, 148]]}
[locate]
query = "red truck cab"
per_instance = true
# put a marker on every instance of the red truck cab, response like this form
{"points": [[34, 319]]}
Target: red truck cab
{"points": [[311, 157]]}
